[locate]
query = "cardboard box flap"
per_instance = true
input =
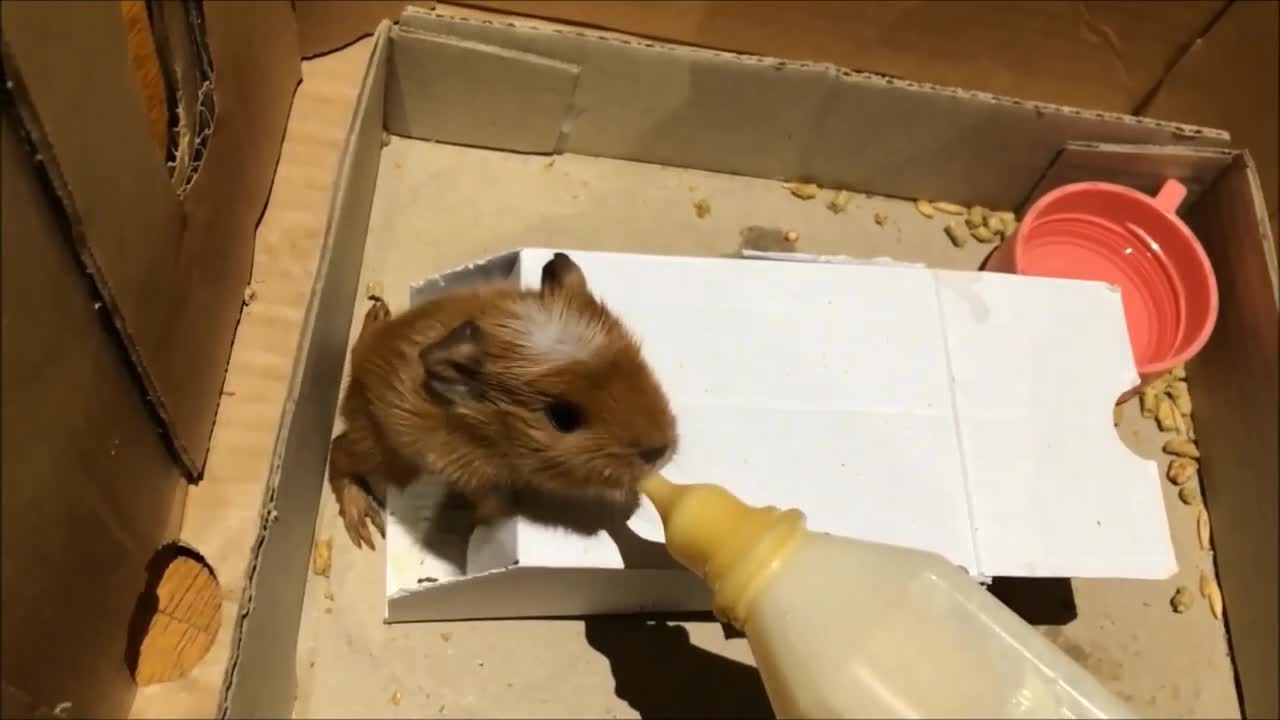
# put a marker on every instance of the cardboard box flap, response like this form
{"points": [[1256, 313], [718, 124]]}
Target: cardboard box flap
{"points": [[1141, 167], [783, 411], [527, 112], [171, 270], [761, 117]]}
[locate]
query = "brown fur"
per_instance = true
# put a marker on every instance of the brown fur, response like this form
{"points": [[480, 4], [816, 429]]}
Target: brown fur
{"points": [[451, 388]]}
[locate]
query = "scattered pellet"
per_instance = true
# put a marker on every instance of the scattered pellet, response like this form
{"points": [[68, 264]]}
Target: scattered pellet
{"points": [[1165, 412], [1202, 528], [1189, 494], [804, 191], [1149, 400], [995, 225], [1182, 447], [1212, 594], [1182, 599], [880, 218], [950, 208], [373, 291], [1181, 396], [701, 208], [982, 235], [1181, 470], [959, 236], [1179, 371], [925, 208], [976, 216], [1180, 425], [1006, 216], [249, 295], [840, 202], [322, 557], [395, 698]]}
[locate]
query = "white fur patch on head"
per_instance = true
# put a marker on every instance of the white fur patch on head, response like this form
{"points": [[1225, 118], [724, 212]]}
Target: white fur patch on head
{"points": [[558, 332]]}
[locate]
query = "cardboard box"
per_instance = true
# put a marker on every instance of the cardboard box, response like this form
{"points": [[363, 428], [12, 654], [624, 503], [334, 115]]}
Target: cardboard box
{"points": [[634, 106], [947, 361]]}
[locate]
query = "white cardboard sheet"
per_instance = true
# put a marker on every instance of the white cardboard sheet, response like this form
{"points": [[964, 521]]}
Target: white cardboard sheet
{"points": [[965, 413]]}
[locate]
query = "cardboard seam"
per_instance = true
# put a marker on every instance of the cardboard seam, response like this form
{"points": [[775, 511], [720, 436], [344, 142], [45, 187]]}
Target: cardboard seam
{"points": [[1176, 129], [32, 130], [979, 570]]}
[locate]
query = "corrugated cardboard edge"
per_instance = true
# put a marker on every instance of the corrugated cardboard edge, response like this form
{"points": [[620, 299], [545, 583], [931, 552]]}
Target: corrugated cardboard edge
{"points": [[139, 241], [261, 672], [666, 104], [328, 25], [1234, 382]]}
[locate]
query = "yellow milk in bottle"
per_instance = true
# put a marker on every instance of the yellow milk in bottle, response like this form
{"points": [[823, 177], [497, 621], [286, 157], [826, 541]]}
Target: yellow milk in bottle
{"points": [[844, 628]]}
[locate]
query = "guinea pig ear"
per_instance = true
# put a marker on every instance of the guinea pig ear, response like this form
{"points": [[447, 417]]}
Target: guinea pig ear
{"points": [[561, 274], [453, 364]]}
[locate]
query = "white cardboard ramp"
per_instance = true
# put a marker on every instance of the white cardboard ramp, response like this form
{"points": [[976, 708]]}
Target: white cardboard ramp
{"points": [[965, 413]]}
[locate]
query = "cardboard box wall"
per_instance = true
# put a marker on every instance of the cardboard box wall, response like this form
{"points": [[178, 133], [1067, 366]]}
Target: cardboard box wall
{"points": [[106, 534], [1160, 60]]}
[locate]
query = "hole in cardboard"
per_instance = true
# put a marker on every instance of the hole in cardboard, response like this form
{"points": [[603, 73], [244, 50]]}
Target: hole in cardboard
{"points": [[176, 618], [187, 69]]}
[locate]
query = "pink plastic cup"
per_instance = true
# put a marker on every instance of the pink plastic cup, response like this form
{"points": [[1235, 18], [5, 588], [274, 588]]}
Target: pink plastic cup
{"points": [[1101, 231]]}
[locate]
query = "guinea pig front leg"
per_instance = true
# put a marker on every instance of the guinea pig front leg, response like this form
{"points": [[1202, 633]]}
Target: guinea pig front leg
{"points": [[355, 504], [491, 505]]}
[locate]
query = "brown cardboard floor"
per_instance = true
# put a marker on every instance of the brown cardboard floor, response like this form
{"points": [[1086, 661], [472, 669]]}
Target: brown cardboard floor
{"points": [[461, 204]]}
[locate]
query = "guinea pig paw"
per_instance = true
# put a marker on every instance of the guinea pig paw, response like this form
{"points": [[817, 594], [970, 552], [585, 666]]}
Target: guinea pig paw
{"points": [[358, 509]]}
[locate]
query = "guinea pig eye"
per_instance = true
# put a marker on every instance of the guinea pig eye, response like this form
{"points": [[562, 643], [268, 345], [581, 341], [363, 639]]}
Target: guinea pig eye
{"points": [[564, 416]]}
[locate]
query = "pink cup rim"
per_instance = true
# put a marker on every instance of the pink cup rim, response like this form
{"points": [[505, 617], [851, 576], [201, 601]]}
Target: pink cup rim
{"points": [[1166, 201]]}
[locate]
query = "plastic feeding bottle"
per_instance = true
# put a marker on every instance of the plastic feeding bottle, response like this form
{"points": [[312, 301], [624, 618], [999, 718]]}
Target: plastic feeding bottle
{"points": [[843, 628]]}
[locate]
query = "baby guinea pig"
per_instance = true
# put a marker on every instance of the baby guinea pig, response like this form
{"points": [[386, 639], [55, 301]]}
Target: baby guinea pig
{"points": [[498, 391]]}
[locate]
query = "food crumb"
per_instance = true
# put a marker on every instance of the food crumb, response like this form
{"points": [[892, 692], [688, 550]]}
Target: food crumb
{"points": [[840, 202], [701, 208], [1212, 594], [328, 595], [1181, 470], [1188, 495], [1182, 599], [386, 138], [957, 233], [983, 235], [950, 208], [373, 291], [880, 218], [446, 636], [250, 295], [1182, 447], [395, 698], [1202, 528], [791, 237], [925, 208], [322, 557], [550, 163], [328, 611], [804, 191]]}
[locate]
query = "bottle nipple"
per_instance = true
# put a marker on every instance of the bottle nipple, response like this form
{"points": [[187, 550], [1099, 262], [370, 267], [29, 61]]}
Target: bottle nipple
{"points": [[731, 545]]}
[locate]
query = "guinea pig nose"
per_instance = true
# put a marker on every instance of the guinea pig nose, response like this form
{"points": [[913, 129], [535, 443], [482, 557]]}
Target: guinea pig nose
{"points": [[653, 454]]}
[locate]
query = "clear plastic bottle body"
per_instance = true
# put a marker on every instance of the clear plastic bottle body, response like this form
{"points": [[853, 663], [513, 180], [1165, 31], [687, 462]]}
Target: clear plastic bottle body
{"points": [[842, 628]]}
